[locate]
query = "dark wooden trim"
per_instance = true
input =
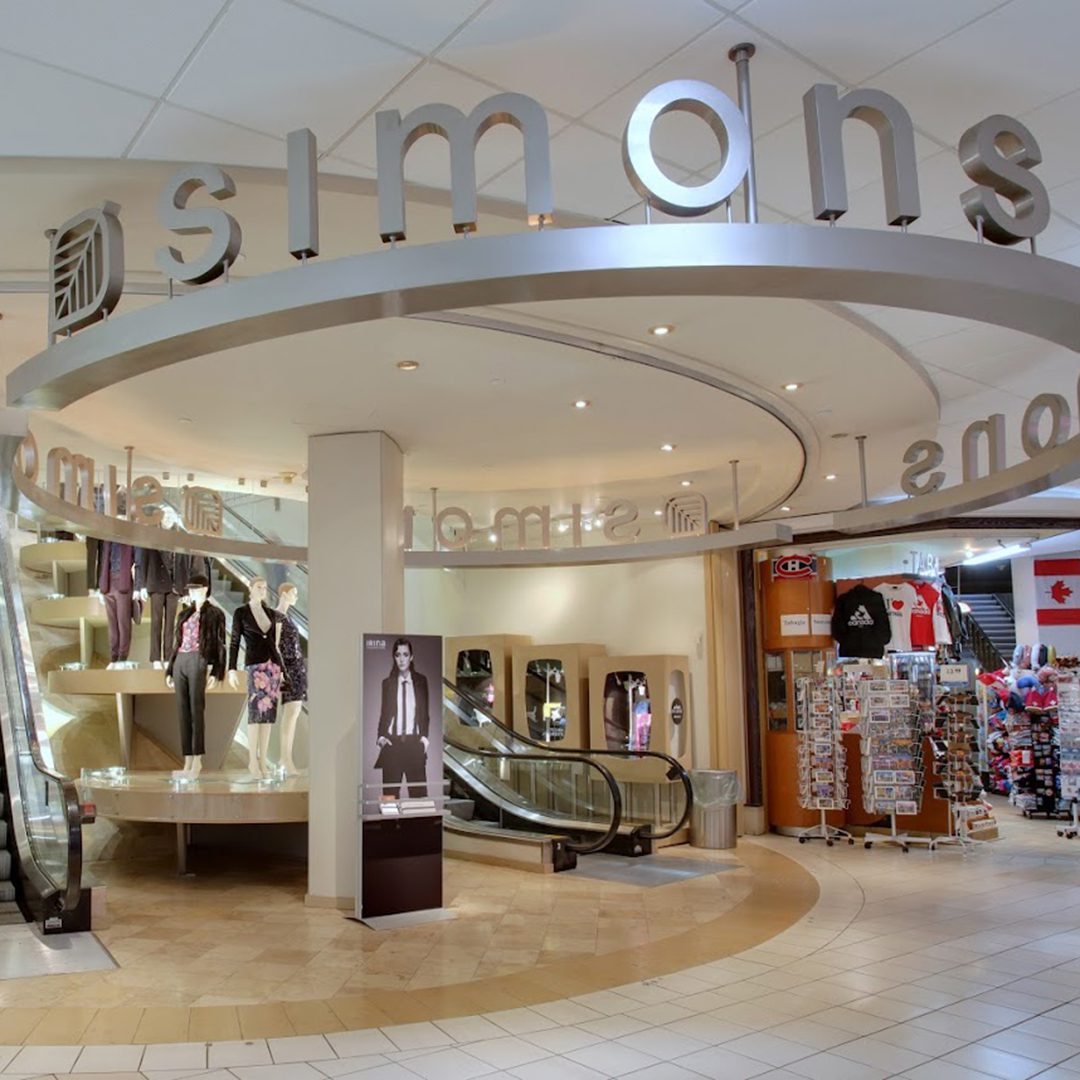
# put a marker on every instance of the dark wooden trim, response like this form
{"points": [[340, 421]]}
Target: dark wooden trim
{"points": [[748, 625], [966, 524]]}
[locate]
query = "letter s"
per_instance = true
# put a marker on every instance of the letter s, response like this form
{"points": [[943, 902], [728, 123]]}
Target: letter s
{"points": [[922, 455], [621, 514], [997, 153], [174, 214]]}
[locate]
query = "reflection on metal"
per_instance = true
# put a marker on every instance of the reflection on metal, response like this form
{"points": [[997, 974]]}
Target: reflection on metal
{"points": [[727, 124], [86, 269], [997, 153], [993, 427], [175, 214], [394, 137], [824, 113]]}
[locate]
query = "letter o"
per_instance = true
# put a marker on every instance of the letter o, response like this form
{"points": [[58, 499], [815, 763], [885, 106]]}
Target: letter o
{"points": [[728, 125], [29, 462], [450, 542], [1060, 419]]}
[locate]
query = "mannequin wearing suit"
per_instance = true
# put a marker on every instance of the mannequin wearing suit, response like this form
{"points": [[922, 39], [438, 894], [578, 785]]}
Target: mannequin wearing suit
{"points": [[403, 726], [109, 569], [164, 576]]}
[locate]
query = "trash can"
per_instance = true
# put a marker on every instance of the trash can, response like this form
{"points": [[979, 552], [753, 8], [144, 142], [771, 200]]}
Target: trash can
{"points": [[716, 796]]}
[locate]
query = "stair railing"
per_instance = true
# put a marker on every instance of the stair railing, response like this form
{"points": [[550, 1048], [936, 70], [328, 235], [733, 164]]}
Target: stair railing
{"points": [[984, 650]]}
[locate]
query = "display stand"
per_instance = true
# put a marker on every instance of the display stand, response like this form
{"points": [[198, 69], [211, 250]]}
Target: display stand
{"points": [[957, 733], [892, 765], [822, 767], [1069, 753]]}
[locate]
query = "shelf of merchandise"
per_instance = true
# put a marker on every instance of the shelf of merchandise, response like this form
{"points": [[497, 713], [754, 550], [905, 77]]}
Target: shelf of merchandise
{"points": [[1069, 761], [821, 756]]}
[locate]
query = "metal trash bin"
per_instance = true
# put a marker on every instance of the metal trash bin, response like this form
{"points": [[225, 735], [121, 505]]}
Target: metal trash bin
{"points": [[716, 797]]}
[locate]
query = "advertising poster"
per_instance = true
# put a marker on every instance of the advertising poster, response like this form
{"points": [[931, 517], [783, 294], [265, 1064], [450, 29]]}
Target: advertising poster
{"points": [[402, 726]]}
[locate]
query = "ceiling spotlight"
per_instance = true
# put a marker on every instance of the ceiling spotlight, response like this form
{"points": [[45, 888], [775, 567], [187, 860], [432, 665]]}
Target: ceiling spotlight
{"points": [[587, 526], [662, 330], [686, 483], [793, 386], [667, 447], [581, 403], [564, 526], [492, 537], [830, 476], [786, 509], [407, 365], [658, 513]]}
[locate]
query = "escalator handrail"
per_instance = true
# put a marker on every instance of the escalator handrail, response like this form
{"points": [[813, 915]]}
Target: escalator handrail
{"points": [[72, 805], [613, 790], [675, 767]]}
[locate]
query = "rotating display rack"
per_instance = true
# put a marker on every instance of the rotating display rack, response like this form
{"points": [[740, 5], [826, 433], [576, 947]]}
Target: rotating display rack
{"points": [[957, 738], [822, 765], [892, 765]]}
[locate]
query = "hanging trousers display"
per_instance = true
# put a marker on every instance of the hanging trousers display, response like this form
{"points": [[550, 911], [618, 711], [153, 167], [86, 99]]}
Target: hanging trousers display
{"points": [[162, 623], [189, 684], [114, 579]]}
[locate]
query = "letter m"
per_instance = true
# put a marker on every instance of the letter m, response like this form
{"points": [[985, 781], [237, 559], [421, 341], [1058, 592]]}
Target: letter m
{"points": [[394, 137], [70, 477]]}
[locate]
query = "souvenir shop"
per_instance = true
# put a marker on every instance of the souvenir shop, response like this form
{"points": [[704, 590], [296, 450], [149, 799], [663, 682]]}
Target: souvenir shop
{"points": [[872, 726]]}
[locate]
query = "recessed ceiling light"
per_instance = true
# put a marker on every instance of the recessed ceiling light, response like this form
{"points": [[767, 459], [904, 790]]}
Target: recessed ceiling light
{"points": [[564, 526], [581, 403], [662, 330], [658, 513], [492, 537], [830, 476], [686, 483], [407, 365], [792, 386], [667, 447], [786, 509]]}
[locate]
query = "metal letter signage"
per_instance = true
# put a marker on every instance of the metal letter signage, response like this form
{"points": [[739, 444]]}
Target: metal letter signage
{"points": [[727, 124], [1060, 420], [86, 269], [824, 113], [202, 511], [394, 137], [997, 153], [923, 456], [175, 214]]}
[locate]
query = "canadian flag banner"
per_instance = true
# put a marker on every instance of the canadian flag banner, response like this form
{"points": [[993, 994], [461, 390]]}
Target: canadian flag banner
{"points": [[1057, 592]]}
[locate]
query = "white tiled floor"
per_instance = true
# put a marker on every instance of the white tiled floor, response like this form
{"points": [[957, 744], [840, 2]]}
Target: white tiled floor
{"points": [[920, 966]]}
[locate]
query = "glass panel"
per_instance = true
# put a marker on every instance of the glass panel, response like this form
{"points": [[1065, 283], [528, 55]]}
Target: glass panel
{"points": [[474, 672], [627, 711], [545, 700], [776, 691]]}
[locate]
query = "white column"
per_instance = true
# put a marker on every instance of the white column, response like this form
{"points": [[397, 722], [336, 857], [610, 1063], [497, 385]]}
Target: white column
{"points": [[356, 565]]}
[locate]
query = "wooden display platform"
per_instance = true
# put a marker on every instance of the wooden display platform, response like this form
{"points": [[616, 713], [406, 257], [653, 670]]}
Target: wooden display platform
{"points": [[216, 798], [68, 612], [142, 680], [69, 555]]}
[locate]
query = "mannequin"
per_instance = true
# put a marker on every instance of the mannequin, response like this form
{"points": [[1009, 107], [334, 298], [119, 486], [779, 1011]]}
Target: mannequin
{"points": [[294, 693], [196, 664], [256, 625], [109, 572]]}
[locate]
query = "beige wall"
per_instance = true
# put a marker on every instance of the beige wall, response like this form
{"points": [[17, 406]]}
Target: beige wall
{"points": [[653, 607]]}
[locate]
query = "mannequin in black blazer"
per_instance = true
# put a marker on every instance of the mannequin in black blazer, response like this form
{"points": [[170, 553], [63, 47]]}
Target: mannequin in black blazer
{"points": [[404, 720]]}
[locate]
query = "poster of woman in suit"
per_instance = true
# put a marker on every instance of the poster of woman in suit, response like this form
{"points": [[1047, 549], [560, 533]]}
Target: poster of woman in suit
{"points": [[402, 716]]}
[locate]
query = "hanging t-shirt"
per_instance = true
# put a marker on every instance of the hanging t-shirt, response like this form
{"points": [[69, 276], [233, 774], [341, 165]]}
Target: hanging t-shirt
{"points": [[928, 618], [899, 602], [860, 624]]}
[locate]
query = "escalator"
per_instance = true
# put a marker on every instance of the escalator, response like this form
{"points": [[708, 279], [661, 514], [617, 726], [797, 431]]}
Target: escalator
{"points": [[618, 801], [41, 817]]}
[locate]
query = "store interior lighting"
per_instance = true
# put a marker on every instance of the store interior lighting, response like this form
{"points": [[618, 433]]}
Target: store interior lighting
{"points": [[1002, 551]]}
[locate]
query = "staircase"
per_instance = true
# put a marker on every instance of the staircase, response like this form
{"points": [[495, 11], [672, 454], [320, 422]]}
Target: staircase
{"points": [[9, 909], [995, 620]]}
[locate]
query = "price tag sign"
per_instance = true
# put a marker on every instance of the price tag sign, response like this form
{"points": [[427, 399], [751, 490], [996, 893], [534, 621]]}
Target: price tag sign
{"points": [[954, 673]]}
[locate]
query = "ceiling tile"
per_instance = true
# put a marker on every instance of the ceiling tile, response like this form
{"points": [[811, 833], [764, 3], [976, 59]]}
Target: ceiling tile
{"points": [[586, 173], [334, 164], [778, 79], [428, 161], [1054, 128], [852, 38], [570, 55], [1000, 64], [44, 112], [272, 67], [139, 44], [176, 134], [416, 24]]}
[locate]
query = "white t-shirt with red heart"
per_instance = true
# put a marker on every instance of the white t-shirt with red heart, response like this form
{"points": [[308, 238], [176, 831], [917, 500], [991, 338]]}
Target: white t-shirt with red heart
{"points": [[900, 602]]}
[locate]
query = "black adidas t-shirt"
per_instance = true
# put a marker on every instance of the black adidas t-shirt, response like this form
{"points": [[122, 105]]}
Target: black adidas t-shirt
{"points": [[860, 624]]}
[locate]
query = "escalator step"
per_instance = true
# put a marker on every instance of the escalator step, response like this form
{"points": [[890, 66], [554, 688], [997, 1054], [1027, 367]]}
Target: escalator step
{"points": [[3, 834], [5, 865], [7, 892]]}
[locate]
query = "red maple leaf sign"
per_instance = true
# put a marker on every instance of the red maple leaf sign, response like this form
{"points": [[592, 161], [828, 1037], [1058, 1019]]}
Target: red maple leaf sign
{"points": [[1060, 592]]}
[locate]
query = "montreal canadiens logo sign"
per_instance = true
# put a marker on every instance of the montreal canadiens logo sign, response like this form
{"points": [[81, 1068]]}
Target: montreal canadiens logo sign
{"points": [[789, 567]]}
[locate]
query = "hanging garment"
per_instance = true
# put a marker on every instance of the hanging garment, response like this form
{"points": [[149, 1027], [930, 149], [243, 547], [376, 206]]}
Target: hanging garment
{"points": [[259, 645], [922, 615], [899, 602], [295, 664], [860, 624], [954, 624]]}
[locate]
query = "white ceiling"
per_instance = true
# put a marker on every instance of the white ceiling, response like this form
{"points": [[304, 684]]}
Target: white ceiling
{"points": [[224, 80]]}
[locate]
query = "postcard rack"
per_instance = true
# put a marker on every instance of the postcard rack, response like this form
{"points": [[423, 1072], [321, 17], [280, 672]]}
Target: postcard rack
{"points": [[822, 765]]}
